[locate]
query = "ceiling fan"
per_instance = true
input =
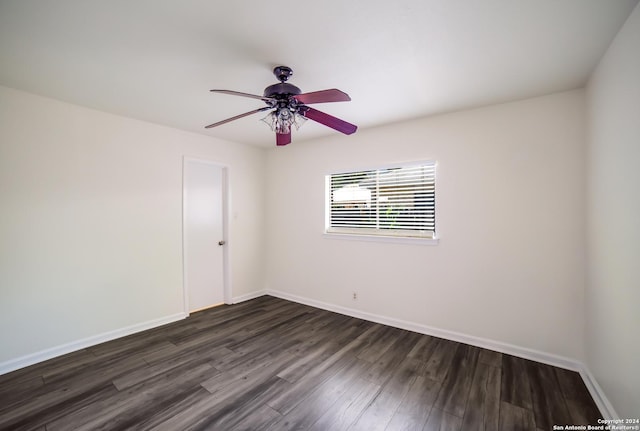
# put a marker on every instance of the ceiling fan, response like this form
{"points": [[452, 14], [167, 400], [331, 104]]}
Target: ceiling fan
{"points": [[289, 107]]}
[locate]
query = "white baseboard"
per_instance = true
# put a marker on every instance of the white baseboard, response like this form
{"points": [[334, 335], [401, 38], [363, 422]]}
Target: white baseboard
{"points": [[43, 355], [605, 407], [248, 296], [522, 352]]}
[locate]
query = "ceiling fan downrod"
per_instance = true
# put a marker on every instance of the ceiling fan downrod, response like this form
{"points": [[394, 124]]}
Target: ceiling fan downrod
{"points": [[282, 73]]}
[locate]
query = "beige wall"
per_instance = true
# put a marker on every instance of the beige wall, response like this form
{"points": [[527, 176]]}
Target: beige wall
{"points": [[613, 288], [91, 221], [509, 266]]}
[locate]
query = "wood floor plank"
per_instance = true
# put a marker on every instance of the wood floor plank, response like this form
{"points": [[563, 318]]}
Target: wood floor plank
{"points": [[413, 412], [423, 348], [131, 343], [207, 322], [491, 358], [384, 341], [582, 408], [271, 364], [249, 413], [127, 409], [285, 402], [289, 324], [483, 407], [514, 418], [186, 414], [224, 330], [456, 386], [238, 364], [439, 362], [238, 380], [382, 369], [102, 370], [37, 412], [66, 386], [320, 399], [228, 410], [139, 375], [214, 339], [381, 410], [338, 332], [14, 390], [492, 399], [442, 421], [281, 327], [259, 419], [304, 364], [348, 407], [63, 361], [19, 380], [549, 406], [515, 386]]}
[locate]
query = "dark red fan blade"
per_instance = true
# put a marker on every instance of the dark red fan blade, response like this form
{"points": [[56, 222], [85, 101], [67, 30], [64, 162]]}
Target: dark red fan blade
{"points": [[236, 117], [329, 120], [283, 138], [323, 96], [238, 93]]}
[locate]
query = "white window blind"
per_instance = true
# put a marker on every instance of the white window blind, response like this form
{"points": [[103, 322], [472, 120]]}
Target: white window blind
{"points": [[395, 201]]}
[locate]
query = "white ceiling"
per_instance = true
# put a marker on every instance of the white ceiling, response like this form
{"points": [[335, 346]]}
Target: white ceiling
{"points": [[155, 60]]}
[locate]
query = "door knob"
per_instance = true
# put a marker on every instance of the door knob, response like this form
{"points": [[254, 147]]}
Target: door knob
{"points": [[223, 242]]}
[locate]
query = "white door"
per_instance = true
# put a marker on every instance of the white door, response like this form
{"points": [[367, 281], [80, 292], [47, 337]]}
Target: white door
{"points": [[203, 236]]}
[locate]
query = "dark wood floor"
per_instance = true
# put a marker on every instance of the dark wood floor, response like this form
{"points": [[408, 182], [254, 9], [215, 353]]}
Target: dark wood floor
{"points": [[270, 364]]}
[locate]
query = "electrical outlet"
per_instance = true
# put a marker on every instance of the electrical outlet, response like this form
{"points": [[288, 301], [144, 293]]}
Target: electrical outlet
{"points": [[355, 296]]}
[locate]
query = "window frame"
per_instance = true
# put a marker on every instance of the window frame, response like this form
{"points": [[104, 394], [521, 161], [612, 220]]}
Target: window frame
{"points": [[377, 234]]}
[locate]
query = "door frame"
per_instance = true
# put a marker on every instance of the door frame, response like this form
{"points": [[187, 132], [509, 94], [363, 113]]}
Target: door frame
{"points": [[226, 255]]}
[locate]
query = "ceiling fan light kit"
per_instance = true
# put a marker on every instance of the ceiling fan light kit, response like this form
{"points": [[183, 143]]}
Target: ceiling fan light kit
{"points": [[289, 107]]}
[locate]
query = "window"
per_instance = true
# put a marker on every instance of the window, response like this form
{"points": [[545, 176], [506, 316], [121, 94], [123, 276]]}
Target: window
{"points": [[396, 201]]}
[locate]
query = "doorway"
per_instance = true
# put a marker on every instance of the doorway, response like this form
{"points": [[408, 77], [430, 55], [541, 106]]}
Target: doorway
{"points": [[204, 234]]}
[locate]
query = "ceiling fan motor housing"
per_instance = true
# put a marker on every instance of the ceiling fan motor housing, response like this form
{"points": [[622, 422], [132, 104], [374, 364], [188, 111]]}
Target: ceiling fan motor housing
{"points": [[281, 90]]}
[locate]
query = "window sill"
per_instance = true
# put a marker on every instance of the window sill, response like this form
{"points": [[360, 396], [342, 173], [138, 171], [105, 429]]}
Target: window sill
{"points": [[381, 238]]}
